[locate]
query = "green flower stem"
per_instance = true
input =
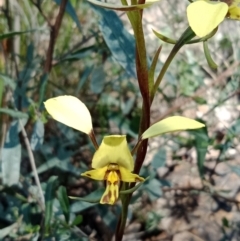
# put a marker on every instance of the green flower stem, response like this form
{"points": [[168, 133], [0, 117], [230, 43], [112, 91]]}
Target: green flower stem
{"points": [[186, 37], [122, 219], [135, 19]]}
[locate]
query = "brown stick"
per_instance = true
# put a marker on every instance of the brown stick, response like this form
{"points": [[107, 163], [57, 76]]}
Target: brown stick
{"points": [[53, 36]]}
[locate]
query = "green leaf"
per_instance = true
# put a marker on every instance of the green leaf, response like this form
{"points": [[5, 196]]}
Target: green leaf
{"points": [[9, 229], [11, 155], [152, 69], [42, 87], [81, 206], [37, 135], [164, 38], [171, 124], [121, 7], [173, 41], [71, 11], [93, 197], [225, 222], [159, 158], [63, 164], [78, 54], [14, 113], [199, 100], [83, 79], [88, 201], [153, 188], [97, 80], [120, 42], [208, 56], [201, 145], [131, 190], [49, 198], [63, 199], [77, 220], [8, 81], [11, 159], [12, 34]]}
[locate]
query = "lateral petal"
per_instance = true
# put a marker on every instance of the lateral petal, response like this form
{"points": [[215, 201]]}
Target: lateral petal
{"points": [[234, 12], [204, 16], [127, 176], [97, 174], [70, 111]]}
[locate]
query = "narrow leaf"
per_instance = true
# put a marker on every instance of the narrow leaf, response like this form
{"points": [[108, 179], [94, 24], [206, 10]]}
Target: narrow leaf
{"points": [[201, 145], [37, 135], [171, 124], [42, 88], [209, 59], [77, 220], [164, 38], [97, 80], [83, 79], [8, 81], [93, 197], [9, 229], [49, 198], [11, 155], [14, 113], [152, 70], [11, 159], [87, 201], [121, 7], [63, 199], [78, 54], [131, 190], [173, 41], [12, 34], [159, 158], [71, 11]]}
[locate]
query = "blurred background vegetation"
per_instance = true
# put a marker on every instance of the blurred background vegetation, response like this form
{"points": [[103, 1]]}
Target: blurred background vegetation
{"points": [[51, 48]]}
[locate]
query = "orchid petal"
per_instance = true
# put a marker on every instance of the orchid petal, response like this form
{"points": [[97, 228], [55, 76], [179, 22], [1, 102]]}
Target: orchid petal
{"points": [[127, 176], [97, 174], [171, 124], [234, 12], [111, 193], [70, 111], [113, 149], [205, 16]]}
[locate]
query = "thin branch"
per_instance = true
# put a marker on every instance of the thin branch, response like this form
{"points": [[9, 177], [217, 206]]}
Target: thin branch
{"points": [[75, 47], [33, 166], [53, 36], [38, 6], [236, 92]]}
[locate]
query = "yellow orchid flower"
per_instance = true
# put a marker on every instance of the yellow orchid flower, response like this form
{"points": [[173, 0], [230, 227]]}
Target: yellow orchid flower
{"points": [[205, 15], [112, 161]]}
